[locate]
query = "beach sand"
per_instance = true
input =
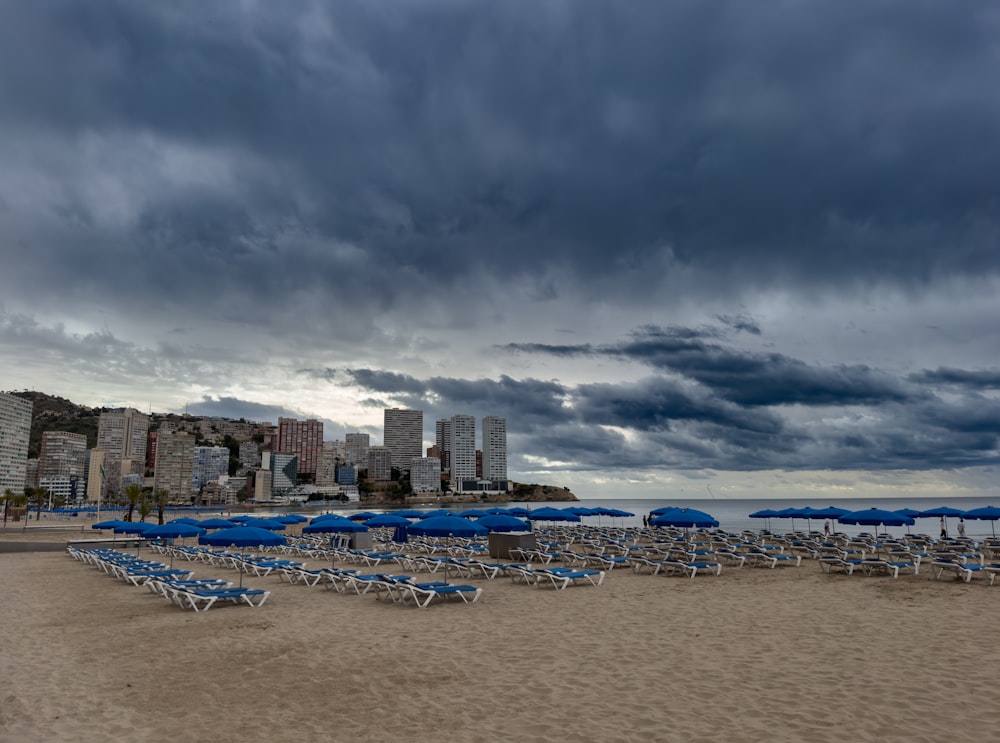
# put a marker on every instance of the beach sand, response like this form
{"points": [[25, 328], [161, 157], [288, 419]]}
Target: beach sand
{"points": [[751, 655]]}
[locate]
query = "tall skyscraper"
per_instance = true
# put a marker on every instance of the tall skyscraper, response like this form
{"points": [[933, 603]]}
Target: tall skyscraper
{"points": [[174, 465], [442, 439], [462, 454], [121, 435], [15, 429], [494, 448], [404, 435], [305, 440]]}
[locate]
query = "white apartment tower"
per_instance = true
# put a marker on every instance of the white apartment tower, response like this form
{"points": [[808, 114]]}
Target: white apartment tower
{"points": [[62, 464], [210, 463], [404, 435], [462, 454], [494, 448], [379, 463], [425, 474], [15, 429]]}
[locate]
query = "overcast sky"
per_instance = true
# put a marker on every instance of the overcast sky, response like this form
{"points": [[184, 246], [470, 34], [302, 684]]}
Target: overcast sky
{"points": [[745, 247]]}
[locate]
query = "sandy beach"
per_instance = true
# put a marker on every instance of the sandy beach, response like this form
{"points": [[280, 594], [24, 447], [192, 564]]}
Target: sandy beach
{"points": [[790, 654]]}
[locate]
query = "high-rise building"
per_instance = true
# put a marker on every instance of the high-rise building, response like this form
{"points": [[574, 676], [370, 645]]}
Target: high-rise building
{"points": [[463, 448], [95, 475], [284, 472], [425, 474], [210, 463], [305, 440], [63, 454], [121, 435], [249, 455], [379, 463], [329, 460], [442, 439], [174, 465], [404, 435], [15, 429], [494, 448], [357, 448]]}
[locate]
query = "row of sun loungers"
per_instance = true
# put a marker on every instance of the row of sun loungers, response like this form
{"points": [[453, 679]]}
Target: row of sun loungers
{"points": [[175, 584]]}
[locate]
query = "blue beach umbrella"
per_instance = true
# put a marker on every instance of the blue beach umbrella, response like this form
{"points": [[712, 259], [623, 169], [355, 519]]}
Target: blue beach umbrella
{"points": [[137, 527], [685, 517], [173, 530], [767, 514], [242, 536], [362, 516], [875, 517], [945, 512], [499, 522], [986, 513], [409, 513], [113, 524], [217, 524], [473, 513], [387, 519], [184, 520], [332, 524], [447, 526], [518, 512], [552, 514], [269, 524], [434, 514]]}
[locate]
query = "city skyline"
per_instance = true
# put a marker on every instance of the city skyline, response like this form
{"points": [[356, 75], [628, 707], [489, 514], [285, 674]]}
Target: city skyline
{"points": [[741, 248]]}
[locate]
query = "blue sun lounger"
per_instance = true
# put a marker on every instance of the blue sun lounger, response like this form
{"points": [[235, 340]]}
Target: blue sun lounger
{"points": [[423, 593]]}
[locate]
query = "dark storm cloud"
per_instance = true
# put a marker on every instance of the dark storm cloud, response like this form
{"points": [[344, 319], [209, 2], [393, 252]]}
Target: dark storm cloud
{"points": [[531, 402], [974, 380], [743, 377], [613, 144], [233, 407]]}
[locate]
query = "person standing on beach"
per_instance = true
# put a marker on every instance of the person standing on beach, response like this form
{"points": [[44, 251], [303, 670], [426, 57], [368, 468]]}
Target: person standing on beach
{"points": [[944, 527], [826, 527], [961, 528]]}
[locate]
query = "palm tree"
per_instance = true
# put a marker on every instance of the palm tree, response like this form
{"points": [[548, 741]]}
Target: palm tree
{"points": [[145, 506], [134, 494], [161, 496]]}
